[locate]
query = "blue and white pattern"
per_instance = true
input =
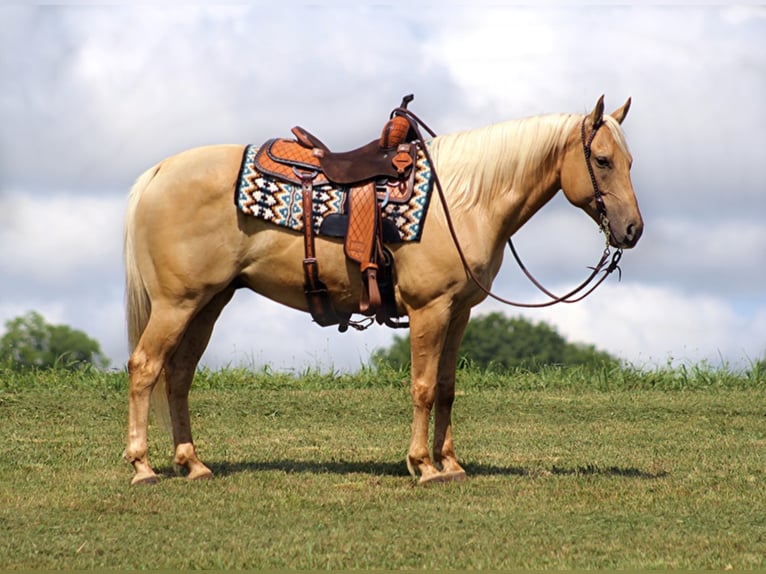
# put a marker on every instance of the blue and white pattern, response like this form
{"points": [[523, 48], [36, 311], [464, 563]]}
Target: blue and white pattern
{"points": [[279, 202]]}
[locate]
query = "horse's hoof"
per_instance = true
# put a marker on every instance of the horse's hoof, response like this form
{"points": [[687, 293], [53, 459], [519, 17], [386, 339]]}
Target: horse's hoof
{"points": [[144, 479], [455, 475], [442, 477], [203, 473]]}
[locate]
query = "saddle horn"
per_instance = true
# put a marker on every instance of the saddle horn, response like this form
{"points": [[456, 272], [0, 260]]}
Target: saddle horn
{"points": [[397, 128]]}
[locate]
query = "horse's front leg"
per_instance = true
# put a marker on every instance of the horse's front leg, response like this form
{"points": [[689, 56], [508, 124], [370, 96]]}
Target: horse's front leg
{"points": [[428, 329], [443, 446]]}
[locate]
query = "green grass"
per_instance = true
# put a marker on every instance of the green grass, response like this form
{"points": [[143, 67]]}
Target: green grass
{"points": [[567, 469]]}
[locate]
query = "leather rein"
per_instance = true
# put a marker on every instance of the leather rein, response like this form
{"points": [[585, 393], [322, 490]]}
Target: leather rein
{"points": [[604, 265]]}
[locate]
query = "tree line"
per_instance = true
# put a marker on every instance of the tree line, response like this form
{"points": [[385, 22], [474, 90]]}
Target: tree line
{"points": [[497, 342], [492, 342], [30, 342]]}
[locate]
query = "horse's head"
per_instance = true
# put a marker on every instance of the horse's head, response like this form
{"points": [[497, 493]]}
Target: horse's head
{"points": [[595, 175]]}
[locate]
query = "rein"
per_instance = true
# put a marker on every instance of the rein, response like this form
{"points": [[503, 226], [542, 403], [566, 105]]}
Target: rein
{"points": [[572, 296]]}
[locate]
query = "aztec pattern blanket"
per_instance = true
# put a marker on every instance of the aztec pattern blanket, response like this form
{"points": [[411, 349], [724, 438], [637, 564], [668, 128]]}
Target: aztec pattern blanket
{"points": [[280, 203]]}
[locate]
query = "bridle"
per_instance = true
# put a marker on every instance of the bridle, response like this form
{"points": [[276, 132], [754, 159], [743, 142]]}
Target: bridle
{"points": [[574, 295], [605, 266], [597, 195]]}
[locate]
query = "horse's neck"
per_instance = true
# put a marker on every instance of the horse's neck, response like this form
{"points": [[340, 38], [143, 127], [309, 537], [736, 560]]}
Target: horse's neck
{"points": [[500, 176]]}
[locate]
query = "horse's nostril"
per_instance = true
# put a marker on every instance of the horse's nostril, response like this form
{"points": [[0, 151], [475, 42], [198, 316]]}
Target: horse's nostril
{"points": [[632, 233]]}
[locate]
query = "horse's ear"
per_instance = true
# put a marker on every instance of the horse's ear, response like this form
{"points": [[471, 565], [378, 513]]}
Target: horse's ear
{"points": [[620, 113], [597, 115]]}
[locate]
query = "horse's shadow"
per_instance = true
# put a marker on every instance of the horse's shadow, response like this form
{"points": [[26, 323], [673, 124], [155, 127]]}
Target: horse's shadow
{"points": [[398, 468]]}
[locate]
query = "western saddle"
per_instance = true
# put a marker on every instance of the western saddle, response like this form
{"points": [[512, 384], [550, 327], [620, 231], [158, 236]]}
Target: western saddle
{"points": [[382, 170]]}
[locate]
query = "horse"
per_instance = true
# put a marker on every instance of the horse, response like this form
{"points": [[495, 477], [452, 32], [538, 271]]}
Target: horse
{"points": [[187, 249]]}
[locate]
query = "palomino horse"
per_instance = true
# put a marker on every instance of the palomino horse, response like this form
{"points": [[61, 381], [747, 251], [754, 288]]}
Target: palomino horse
{"points": [[187, 249]]}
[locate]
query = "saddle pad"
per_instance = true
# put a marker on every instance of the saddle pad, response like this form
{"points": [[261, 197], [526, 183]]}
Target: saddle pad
{"points": [[259, 195]]}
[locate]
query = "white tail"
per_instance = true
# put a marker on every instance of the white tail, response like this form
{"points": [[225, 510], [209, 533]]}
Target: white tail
{"points": [[137, 304]]}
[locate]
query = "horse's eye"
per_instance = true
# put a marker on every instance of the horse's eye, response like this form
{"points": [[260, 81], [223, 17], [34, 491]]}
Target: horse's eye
{"points": [[602, 161]]}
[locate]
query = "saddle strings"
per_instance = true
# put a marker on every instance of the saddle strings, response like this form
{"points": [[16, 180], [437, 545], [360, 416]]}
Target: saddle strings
{"points": [[570, 297]]}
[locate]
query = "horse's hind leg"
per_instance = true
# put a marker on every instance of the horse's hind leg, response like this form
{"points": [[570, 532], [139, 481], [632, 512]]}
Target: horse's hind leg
{"points": [[179, 375], [443, 446], [164, 330]]}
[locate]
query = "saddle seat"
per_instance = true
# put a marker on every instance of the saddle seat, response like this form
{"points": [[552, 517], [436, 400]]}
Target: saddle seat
{"points": [[387, 157]]}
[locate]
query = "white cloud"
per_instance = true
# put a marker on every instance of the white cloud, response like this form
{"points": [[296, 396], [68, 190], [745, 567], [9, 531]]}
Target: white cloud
{"points": [[495, 54], [643, 324], [110, 90], [708, 256], [649, 325], [52, 236], [254, 331], [744, 13]]}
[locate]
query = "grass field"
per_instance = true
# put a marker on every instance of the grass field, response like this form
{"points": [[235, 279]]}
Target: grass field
{"points": [[567, 469]]}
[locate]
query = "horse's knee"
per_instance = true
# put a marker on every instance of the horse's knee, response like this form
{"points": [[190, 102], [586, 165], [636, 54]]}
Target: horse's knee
{"points": [[140, 368], [423, 394], [137, 362], [143, 371]]}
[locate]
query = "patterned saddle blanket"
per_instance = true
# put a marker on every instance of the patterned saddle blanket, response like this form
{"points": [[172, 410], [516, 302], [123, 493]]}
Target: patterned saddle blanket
{"points": [[279, 202]]}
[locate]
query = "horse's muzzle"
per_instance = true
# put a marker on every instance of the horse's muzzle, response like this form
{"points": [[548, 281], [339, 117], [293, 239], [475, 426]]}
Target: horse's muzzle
{"points": [[629, 237]]}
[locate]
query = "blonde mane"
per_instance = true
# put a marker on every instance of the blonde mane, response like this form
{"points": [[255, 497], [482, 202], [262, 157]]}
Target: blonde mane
{"points": [[479, 165]]}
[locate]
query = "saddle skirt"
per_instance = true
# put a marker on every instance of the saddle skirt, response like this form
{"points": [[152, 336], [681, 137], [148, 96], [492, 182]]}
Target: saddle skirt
{"points": [[285, 160], [269, 188]]}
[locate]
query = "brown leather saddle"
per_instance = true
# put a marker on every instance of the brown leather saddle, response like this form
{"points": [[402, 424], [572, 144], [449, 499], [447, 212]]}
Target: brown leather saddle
{"points": [[380, 171]]}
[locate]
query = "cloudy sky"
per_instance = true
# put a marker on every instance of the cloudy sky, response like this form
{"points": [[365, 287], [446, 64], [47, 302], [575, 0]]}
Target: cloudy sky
{"points": [[92, 95]]}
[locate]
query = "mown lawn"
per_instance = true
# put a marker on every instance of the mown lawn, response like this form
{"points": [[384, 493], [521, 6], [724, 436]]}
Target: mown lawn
{"points": [[566, 471]]}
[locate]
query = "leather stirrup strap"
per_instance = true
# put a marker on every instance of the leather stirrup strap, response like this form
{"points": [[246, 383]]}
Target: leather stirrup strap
{"points": [[377, 256], [316, 291]]}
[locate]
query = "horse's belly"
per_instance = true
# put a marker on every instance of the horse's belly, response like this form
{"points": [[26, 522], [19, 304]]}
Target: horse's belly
{"points": [[274, 269]]}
